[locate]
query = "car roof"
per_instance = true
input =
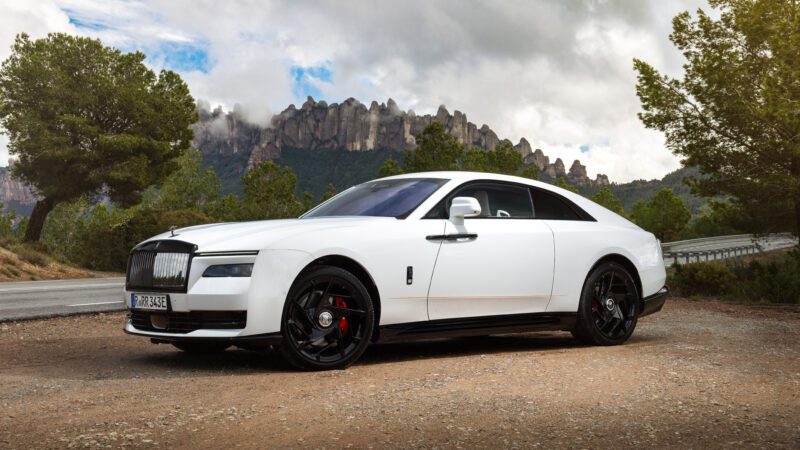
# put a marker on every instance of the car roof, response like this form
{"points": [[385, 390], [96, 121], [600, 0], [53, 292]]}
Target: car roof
{"points": [[463, 176], [458, 177]]}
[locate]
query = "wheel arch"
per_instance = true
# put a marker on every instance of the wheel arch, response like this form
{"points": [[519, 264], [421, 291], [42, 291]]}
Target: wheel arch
{"points": [[354, 267], [624, 262]]}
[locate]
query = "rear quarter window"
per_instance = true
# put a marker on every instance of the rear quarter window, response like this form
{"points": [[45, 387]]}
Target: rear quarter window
{"points": [[549, 206]]}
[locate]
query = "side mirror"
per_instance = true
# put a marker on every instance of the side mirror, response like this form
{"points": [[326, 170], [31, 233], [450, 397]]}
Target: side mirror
{"points": [[463, 207]]}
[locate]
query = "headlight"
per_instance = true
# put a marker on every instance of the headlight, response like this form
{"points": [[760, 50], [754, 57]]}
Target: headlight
{"points": [[229, 270]]}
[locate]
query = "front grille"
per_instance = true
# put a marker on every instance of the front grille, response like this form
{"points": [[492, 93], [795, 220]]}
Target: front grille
{"points": [[160, 265], [158, 270], [186, 322]]}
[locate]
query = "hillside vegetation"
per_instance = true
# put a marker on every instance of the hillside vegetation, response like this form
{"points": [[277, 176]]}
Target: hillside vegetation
{"points": [[22, 263]]}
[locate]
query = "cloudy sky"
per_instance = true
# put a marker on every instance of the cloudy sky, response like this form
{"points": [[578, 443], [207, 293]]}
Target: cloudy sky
{"points": [[556, 72]]}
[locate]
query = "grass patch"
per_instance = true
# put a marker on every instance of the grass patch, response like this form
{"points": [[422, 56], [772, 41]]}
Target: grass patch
{"points": [[31, 255]]}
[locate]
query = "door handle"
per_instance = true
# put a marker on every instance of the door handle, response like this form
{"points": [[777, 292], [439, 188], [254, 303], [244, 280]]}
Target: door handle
{"points": [[451, 237]]}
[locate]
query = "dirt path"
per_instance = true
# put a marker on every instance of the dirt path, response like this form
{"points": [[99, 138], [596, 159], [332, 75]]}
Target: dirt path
{"points": [[695, 375]]}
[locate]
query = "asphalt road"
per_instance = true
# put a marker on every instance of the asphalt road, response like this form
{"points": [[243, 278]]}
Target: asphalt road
{"points": [[39, 299]]}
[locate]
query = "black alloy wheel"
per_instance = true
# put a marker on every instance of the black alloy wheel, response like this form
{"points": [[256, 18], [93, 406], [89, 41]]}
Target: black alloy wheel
{"points": [[327, 320], [609, 306]]}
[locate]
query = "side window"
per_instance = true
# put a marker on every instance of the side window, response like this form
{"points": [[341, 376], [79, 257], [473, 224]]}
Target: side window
{"points": [[552, 207], [498, 201]]}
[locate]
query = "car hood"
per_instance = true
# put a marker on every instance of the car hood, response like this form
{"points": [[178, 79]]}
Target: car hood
{"points": [[259, 235]]}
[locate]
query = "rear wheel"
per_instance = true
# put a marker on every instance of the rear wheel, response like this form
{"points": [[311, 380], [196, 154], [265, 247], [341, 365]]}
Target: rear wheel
{"points": [[327, 320], [609, 306]]}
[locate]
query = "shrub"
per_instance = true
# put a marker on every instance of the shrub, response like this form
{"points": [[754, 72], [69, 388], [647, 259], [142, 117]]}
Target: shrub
{"points": [[774, 279], [711, 278]]}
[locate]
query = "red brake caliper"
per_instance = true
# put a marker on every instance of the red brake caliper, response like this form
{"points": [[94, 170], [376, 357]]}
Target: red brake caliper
{"points": [[343, 321]]}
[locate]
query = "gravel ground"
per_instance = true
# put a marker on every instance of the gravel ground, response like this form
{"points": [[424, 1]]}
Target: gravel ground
{"points": [[695, 375]]}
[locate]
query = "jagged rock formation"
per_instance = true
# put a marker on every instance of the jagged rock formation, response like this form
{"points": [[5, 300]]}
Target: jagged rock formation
{"points": [[13, 190], [352, 126]]}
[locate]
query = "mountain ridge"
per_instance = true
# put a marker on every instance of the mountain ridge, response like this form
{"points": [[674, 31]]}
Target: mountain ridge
{"points": [[350, 126]]}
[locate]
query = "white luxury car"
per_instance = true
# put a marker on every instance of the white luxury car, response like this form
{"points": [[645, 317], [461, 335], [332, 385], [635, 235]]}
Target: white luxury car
{"points": [[438, 254]]}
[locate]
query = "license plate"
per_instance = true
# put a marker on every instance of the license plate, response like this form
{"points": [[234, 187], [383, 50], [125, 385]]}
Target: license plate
{"points": [[154, 302]]}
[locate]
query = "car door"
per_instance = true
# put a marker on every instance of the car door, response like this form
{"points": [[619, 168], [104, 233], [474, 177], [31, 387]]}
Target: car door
{"points": [[503, 265]]}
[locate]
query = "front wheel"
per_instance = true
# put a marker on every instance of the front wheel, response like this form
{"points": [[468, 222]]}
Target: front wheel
{"points": [[609, 306], [327, 320]]}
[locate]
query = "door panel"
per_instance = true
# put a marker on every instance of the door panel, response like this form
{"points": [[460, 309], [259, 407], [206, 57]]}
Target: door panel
{"points": [[506, 269], [400, 245]]}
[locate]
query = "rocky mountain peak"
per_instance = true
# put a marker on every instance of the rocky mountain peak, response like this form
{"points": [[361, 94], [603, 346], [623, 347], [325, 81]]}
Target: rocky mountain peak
{"points": [[351, 125]]}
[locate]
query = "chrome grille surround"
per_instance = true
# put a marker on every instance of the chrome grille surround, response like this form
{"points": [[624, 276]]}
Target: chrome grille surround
{"points": [[160, 265]]}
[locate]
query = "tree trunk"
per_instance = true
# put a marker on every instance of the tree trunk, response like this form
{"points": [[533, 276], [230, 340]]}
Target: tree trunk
{"points": [[36, 222]]}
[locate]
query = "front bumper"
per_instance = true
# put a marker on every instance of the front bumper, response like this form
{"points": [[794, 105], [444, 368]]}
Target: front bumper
{"points": [[653, 303], [234, 337]]}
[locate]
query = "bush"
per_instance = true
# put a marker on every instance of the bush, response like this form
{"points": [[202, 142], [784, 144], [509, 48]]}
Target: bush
{"points": [[775, 279], [711, 278], [772, 281], [100, 237]]}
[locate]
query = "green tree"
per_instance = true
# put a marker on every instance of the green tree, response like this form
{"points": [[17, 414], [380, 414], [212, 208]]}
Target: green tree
{"points": [[226, 209], [664, 215], [718, 219], [330, 191], [562, 183], [504, 159], [734, 113], [83, 118], [473, 159], [605, 197], [269, 193], [306, 202], [6, 223], [64, 229], [531, 172], [189, 187], [390, 167], [436, 150]]}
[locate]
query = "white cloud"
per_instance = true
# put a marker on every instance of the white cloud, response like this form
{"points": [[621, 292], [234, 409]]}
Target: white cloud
{"points": [[558, 73]]}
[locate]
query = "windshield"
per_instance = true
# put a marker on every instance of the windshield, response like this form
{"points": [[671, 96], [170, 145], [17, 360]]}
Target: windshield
{"points": [[382, 198]]}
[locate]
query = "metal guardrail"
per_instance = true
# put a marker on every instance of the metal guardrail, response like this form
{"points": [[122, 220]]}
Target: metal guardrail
{"points": [[723, 247], [710, 255]]}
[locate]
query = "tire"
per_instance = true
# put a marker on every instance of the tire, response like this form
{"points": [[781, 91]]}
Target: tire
{"points": [[327, 320], [202, 348], [609, 306]]}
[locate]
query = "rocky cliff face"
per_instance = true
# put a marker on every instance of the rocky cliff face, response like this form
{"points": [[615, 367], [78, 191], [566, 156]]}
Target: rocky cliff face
{"points": [[12, 189], [351, 125]]}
